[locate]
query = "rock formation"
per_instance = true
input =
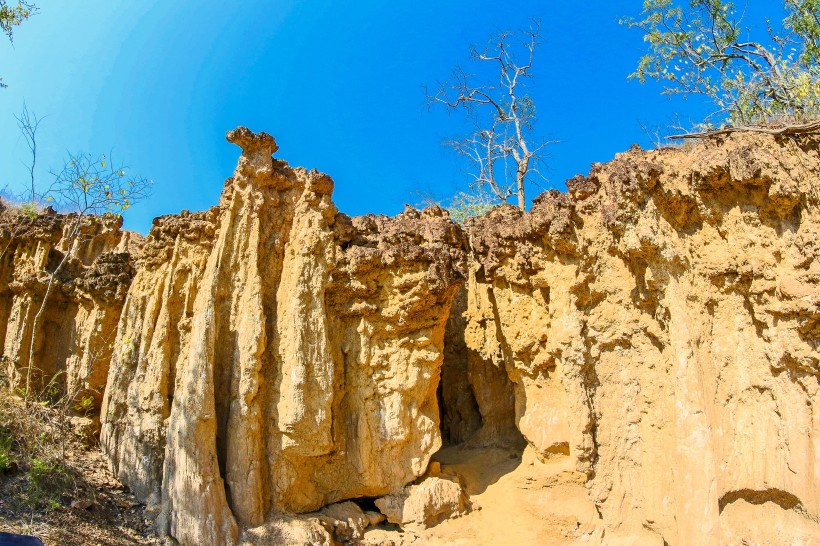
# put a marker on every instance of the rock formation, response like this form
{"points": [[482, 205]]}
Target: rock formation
{"points": [[426, 504], [72, 345], [641, 353], [276, 356], [660, 323], [152, 340]]}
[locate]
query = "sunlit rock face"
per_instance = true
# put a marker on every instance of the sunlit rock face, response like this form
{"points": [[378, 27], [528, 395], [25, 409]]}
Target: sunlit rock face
{"points": [[660, 323], [654, 331], [150, 346], [72, 344], [275, 355]]}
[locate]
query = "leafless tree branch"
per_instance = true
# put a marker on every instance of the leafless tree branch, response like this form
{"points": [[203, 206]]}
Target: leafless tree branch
{"points": [[501, 146], [28, 122]]}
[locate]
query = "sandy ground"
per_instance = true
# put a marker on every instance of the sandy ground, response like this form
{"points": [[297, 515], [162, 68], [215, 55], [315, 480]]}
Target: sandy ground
{"points": [[517, 501]]}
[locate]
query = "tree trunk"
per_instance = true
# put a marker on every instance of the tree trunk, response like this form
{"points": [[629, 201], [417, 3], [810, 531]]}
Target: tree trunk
{"points": [[39, 315], [34, 328], [520, 175]]}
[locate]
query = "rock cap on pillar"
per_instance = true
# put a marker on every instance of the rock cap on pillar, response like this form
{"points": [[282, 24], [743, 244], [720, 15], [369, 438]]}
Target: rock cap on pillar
{"points": [[252, 143]]}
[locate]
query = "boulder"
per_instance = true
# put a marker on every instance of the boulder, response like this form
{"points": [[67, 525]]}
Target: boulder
{"points": [[347, 520], [426, 504]]}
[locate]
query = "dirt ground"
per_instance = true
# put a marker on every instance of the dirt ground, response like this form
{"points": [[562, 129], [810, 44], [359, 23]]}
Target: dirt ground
{"points": [[75, 501], [54, 483], [516, 500]]}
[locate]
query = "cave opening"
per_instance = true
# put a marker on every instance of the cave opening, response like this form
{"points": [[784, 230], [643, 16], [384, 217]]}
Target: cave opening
{"points": [[475, 395]]}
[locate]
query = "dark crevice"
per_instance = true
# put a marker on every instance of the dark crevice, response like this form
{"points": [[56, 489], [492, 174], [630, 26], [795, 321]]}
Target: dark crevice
{"points": [[783, 499], [458, 409], [591, 382], [476, 396], [367, 504], [561, 448]]}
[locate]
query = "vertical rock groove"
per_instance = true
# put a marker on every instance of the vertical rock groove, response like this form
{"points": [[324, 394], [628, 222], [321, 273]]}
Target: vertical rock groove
{"points": [[305, 369]]}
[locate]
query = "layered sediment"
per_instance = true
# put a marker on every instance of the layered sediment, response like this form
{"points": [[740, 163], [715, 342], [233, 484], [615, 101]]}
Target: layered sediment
{"points": [[640, 353]]}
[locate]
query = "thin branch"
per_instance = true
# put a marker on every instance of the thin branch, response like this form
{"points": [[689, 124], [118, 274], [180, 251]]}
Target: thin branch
{"points": [[804, 129], [29, 123]]}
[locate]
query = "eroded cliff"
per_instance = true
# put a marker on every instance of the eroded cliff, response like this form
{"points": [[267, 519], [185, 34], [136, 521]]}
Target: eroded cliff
{"points": [[660, 323], [72, 345], [633, 361], [276, 356]]}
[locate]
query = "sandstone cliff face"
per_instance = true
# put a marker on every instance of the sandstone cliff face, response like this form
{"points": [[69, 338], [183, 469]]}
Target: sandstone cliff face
{"points": [[651, 335], [660, 324], [152, 341], [73, 342], [276, 356]]}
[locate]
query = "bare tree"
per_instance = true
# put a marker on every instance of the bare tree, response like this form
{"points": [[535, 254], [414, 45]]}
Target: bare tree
{"points": [[86, 187], [10, 219], [28, 122], [502, 149]]}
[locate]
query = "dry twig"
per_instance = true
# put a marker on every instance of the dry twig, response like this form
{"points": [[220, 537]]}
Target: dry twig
{"points": [[802, 129]]}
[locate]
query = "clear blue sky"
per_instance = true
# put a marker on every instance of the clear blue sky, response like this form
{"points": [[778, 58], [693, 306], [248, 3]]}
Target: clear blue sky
{"points": [[339, 84]]}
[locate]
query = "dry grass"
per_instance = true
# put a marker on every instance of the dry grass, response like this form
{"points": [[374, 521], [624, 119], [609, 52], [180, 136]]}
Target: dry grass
{"points": [[54, 483]]}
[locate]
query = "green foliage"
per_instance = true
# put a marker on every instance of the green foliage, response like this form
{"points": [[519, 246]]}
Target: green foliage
{"points": [[6, 458], [46, 480], [85, 404], [804, 22], [5, 461], [12, 16], [700, 47], [464, 205], [29, 210]]}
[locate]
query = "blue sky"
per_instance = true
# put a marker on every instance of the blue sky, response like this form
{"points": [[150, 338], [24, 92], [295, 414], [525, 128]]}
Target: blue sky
{"points": [[339, 84]]}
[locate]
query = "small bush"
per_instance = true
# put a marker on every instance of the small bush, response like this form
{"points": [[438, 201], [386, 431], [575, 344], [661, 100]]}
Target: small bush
{"points": [[469, 205], [32, 458], [464, 205], [6, 459], [29, 210], [85, 405], [46, 481]]}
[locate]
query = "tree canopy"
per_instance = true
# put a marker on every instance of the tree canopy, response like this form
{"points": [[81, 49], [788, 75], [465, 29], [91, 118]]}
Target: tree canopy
{"points": [[13, 16], [705, 47]]}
